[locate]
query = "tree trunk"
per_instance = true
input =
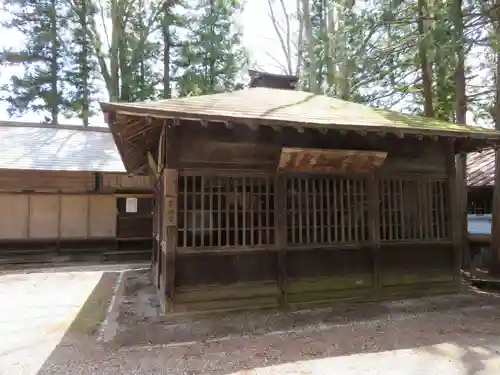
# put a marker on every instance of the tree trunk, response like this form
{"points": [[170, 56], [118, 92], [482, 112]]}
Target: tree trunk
{"points": [[494, 267], [460, 117], [425, 66], [166, 51], [300, 44], [54, 68], [311, 69], [114, 87], [85, 69]]}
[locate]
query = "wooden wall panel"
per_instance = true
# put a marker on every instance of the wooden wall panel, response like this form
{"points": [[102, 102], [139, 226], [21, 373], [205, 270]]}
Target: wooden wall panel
{"points": [[44, 216], [432, 161], [45, 181], [13, 216], [74, 216], [102, 216]]}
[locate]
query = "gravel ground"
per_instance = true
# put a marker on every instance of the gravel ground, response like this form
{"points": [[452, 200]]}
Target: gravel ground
{"points": [[445, 335]]}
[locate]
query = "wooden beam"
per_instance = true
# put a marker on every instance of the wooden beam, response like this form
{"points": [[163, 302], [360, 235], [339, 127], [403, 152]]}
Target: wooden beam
{"points": [[152, 165]]}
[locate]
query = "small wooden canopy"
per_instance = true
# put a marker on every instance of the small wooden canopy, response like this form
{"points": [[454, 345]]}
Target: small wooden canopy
{"points": [[136, 127]]}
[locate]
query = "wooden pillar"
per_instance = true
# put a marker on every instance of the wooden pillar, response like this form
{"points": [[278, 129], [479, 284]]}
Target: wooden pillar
{"points": [[461, 163], [169, 213], [280, 236], [454, 209], [494, 267], [374, 229]]}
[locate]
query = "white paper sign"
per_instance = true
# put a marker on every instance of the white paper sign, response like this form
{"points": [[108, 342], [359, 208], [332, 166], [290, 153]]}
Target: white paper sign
{"points": [[131, 205]]}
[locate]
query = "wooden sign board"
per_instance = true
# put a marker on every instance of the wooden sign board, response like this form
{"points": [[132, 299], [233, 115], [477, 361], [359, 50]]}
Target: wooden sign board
{"points": [[170, 211], [334, 161]]}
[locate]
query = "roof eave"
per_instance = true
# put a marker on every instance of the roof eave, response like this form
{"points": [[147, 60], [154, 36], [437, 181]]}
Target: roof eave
{"points": [[159, 113]]}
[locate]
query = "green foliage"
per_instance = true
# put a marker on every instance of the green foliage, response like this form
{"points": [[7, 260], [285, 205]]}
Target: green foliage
{"points": [[211, 57], [38, 89]]}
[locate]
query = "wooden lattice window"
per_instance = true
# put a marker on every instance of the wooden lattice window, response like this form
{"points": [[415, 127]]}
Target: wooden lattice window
{"points": [[413, 210], [326, 210], [225, 211]]}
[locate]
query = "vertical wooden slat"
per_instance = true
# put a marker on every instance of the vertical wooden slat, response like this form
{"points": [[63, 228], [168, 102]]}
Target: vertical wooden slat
{"points": [[322, 209], [329, 212], [211, 210], [300, 209], [314, 211], [373, 196], [268, 212], [391, 194], [428, 206], [280, 226], [220, 210], [354, 210], [307, 211], [342, 212], [237, 240], [336, 196], [185, 210], [293, 202], [253, 182], [442, 211], [260, 189], [347, 213], [202, 199], [244, 211], [383, 196], [402, 200], [363, 205]]}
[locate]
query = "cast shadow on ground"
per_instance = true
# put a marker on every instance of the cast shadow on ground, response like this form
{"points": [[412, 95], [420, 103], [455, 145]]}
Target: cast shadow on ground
{"points": [[222, 345]]}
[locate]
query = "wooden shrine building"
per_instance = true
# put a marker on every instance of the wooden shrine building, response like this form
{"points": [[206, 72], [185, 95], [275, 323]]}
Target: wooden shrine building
{"points": [[65, 195], [277, 197]]}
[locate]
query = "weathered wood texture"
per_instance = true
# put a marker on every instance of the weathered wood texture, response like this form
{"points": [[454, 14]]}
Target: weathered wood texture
{"points": [[248, 235], [41, 181], [226, 281], [71, 182], [122, 181], [335, 245]]}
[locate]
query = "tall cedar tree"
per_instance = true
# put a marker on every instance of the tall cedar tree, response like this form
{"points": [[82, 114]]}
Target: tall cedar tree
{"points": [[38, 89], [211, 56]]}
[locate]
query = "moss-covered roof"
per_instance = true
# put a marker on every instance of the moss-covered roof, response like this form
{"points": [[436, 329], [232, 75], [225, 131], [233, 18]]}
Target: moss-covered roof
{"points": [[289, 107]]}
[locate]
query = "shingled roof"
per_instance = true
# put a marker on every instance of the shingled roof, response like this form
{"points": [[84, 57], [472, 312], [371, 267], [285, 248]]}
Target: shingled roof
{"points": [[481, 168], [290, 106], [280, 108], [46, 148]]}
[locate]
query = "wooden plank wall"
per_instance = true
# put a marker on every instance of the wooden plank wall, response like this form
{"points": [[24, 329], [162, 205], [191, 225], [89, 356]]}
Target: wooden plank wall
{"points": [[52, 216]]}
